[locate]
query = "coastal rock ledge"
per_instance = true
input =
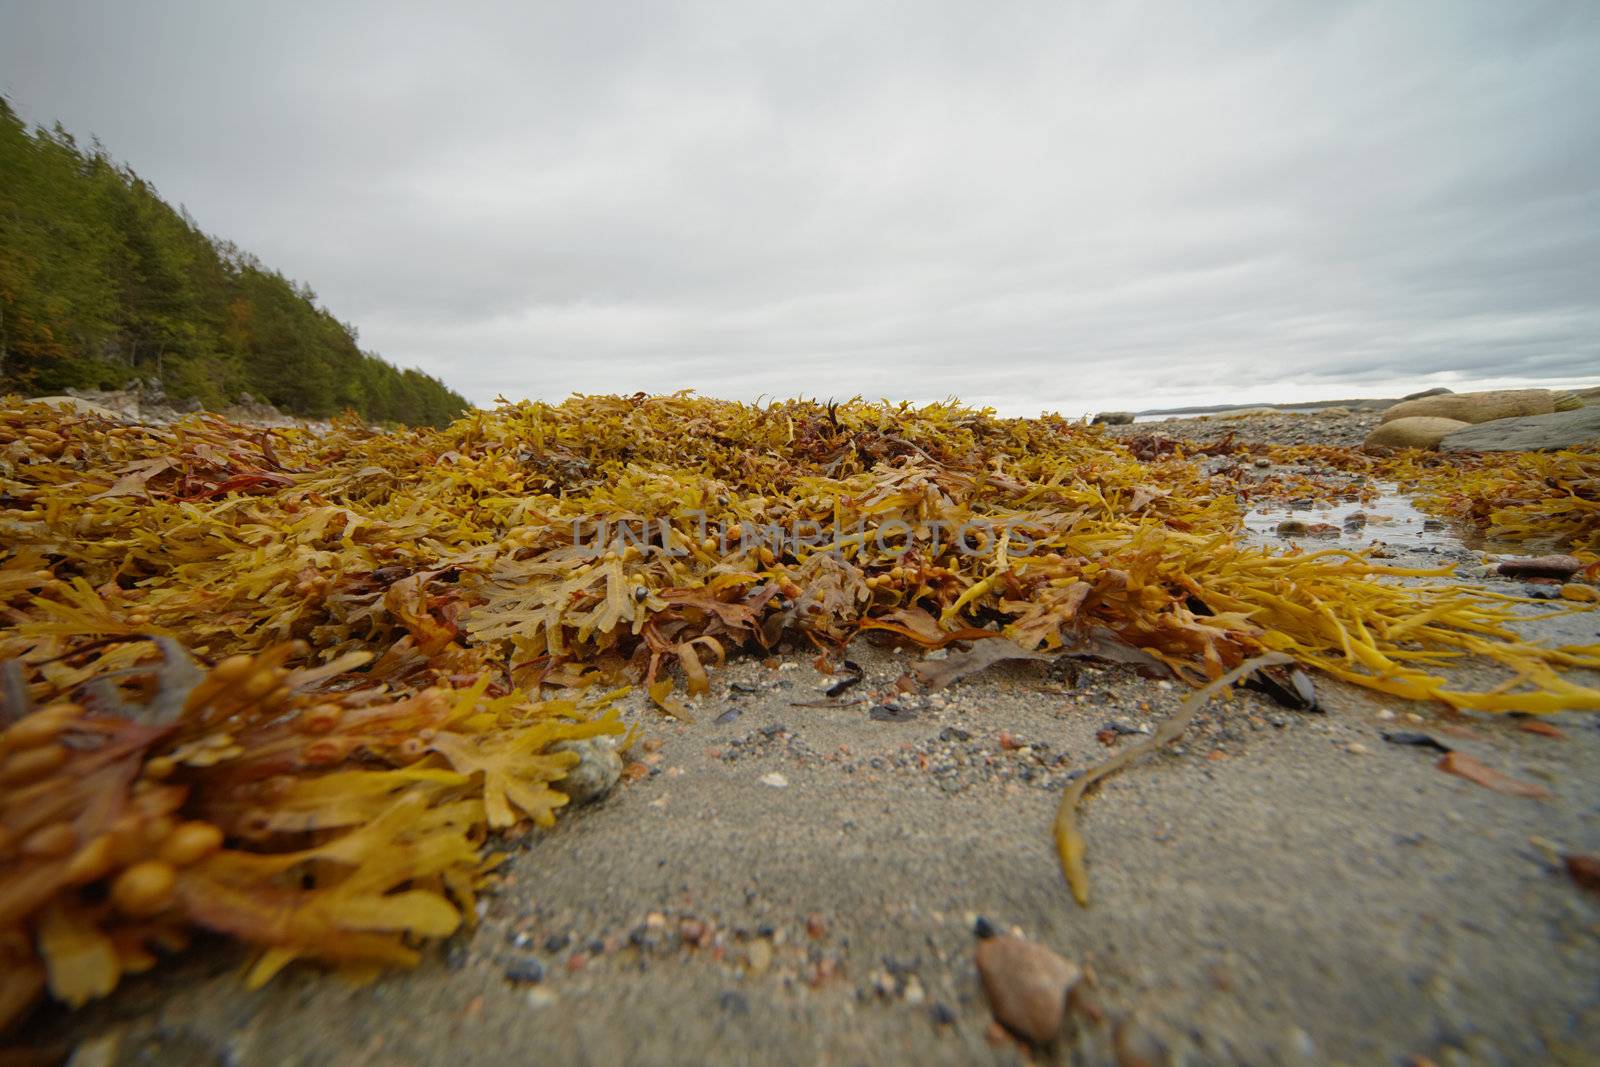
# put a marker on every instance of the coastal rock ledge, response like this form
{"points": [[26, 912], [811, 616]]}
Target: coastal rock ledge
{"points": [[1533, 433]]}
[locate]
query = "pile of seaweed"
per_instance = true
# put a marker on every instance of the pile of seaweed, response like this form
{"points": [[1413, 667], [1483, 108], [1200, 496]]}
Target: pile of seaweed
{"points": [[281, 685], [1550, 499]]}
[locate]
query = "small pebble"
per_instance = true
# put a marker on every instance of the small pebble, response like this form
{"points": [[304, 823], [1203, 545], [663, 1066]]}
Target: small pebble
{"points": [[1027, 985], [1137, 1047], [597, 773], [526, 969], [760, 957], [775, 780]]}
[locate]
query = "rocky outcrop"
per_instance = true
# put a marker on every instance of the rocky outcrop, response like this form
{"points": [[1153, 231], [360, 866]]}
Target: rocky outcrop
{"points": [[1484, 407], [1412, 433], [148, 403], [1113, 418], [1436, 391], [1536, 433]]}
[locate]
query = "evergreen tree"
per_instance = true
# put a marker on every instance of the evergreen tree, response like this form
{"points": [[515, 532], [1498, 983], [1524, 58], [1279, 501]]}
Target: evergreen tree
{"points": [[103, 283]]}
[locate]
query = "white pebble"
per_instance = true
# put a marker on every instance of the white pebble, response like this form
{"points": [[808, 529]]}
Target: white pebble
{"points": [[775, 780]]}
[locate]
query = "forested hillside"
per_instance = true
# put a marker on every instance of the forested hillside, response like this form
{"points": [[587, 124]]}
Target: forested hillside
{"points": [[102, 282]]}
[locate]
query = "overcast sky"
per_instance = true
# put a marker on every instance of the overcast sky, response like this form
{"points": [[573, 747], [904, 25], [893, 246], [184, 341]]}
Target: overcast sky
{"points": [[1066, 206]]}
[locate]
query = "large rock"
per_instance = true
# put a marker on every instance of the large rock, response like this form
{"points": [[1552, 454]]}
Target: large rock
{"points": [[1413, 433], [1437, 390], [1536, 433], [1484, 407], [1113, 418]]}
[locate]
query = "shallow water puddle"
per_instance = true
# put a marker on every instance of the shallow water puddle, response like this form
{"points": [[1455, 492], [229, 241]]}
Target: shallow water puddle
{"points": [[1390, 518]]}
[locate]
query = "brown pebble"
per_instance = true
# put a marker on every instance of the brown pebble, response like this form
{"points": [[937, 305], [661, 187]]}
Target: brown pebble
{"points": [[822, 971], [816, 927], [1562, 567], [1026, 984], [1585, 870], [1137, 1047], [1082, 1002]]}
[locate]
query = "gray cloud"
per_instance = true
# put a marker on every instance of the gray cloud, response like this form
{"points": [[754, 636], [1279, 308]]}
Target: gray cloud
{"points": [[1029, 206]]}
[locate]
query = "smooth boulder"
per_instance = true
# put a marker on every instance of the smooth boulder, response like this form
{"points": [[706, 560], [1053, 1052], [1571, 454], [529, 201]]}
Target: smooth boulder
{"points": [[1437, 390], [1537, 433], [1484, 407], [1413, 433], [1113, 418]]}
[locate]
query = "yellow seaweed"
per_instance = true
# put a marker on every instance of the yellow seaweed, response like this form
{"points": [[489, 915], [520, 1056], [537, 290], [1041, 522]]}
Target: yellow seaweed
{"points": [[381, 623]]}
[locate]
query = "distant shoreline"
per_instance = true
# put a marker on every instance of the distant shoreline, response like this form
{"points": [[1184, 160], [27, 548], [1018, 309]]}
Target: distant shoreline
{"points": [[1354, 404], [1369, 403]]}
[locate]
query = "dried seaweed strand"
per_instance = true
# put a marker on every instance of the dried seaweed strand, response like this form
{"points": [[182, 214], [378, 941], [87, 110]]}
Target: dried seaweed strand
{"points": [[1070, 845]]}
